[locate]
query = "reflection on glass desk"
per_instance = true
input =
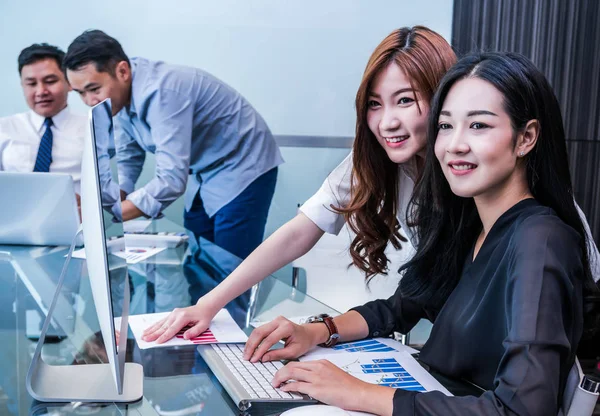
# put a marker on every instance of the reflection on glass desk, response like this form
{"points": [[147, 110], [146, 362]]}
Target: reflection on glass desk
{"points": [[177, 381]]}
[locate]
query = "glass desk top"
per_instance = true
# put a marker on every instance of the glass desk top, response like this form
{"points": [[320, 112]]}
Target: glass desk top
{"points": [[176, 380]]}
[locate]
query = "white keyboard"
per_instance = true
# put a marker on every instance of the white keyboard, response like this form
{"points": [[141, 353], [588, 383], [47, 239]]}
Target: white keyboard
{"points": [[255, 378]]}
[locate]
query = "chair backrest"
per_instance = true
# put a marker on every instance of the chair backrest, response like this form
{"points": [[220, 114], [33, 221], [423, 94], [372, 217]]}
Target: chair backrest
{"points": [[328, 277], [576, 400]]}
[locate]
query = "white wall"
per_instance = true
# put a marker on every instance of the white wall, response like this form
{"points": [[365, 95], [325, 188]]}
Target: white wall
{"points": [[299, 62]]}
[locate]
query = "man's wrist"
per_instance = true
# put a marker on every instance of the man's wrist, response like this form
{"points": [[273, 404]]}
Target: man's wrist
{"points": [[131, 211]]}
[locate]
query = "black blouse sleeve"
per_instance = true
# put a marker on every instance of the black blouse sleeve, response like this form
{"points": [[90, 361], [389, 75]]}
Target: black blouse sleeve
{"points": [[395, 314], [543, 307]]}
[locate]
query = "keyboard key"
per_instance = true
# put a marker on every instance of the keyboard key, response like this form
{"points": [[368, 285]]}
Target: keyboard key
{"points": [[269, 366], [283, 394], [273, 394]]}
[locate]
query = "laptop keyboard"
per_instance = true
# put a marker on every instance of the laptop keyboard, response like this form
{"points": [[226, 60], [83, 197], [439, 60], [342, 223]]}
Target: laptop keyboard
{"points": [[254, 377]]}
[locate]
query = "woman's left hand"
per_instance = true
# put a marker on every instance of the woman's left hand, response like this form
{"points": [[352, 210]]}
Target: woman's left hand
{"points": [[329, 384]]}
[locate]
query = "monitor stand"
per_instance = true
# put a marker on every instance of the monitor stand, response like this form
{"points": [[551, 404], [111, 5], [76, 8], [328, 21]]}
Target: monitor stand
{"points": [[87, 382]]}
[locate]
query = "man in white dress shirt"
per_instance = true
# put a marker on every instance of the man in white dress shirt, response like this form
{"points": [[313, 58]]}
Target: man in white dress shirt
{"points": [[48, 138]]}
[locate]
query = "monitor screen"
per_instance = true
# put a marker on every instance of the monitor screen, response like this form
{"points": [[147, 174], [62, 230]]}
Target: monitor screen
{"points": [[111, 218], [104, 244]]}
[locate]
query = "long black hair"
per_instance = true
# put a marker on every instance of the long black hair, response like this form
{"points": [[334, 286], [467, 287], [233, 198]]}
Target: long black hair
{"points": [[447, 224]]}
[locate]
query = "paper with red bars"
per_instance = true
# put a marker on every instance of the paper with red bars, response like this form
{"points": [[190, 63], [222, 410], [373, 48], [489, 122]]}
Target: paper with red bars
{"points": [[223, 329], [207, 337]]}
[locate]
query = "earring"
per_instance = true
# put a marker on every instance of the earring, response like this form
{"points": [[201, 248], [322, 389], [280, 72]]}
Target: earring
{"points": [[521, 153]]}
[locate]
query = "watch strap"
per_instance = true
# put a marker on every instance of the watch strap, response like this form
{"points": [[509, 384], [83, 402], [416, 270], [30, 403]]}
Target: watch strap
{"points": [[333, 332]]}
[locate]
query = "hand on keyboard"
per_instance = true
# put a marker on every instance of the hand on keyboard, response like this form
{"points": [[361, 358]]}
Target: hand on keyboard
{"points": [[329, 384], [298, 340], [255, 378]]}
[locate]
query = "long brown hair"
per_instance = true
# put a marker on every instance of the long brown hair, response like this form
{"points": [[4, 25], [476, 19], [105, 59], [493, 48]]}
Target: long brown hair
{"points": [[425, 57]]}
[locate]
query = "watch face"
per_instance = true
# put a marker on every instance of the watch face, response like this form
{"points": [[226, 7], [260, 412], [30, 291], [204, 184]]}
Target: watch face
{"points": [[317, 318]]}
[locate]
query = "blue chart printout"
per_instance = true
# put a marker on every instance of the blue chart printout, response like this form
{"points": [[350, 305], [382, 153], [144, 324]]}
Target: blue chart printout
{"points": [[368, 345], [400, 378], [385, 368], [381, 345], [383, 371]]}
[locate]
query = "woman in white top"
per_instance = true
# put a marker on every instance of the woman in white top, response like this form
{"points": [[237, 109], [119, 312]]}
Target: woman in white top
{"points": [[369, 190]]}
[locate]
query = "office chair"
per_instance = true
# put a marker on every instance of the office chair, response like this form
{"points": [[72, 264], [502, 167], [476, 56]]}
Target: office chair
{"points": [[581, 393], [328, 278]]}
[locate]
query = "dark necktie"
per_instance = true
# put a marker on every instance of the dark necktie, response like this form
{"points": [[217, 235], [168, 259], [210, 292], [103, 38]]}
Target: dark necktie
{"points": [[44, 156]]}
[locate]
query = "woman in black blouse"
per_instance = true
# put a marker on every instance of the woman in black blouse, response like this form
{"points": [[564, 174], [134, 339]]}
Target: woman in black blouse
{"points": [[501, 266]]}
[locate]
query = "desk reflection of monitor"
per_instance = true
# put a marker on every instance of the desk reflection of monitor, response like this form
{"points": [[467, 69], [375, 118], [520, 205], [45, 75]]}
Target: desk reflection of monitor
{"points": [[115, 381]]}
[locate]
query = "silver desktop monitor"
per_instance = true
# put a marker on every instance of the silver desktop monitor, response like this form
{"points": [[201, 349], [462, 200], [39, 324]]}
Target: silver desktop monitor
{"points": [[115, 381]]}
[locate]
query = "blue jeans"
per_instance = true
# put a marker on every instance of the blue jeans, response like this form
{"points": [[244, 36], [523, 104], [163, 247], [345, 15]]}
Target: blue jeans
{"points": [[239, 226]]}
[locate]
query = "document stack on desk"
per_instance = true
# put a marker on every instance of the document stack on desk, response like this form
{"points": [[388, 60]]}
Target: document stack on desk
{"points": [[384, 364], [223, 329]]}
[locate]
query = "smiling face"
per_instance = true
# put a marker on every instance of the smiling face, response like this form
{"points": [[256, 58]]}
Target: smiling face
{"points": [[394, 117], [45, 87], [475, 144]]}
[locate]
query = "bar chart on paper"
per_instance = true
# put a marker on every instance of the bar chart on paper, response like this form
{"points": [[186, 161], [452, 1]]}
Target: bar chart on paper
{"points": [[207, 337], [385, 372], [368, 345], [396, 369]]}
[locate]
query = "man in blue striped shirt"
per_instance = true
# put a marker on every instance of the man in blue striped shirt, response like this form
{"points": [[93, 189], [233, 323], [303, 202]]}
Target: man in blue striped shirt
{"points": [[198, 127]]}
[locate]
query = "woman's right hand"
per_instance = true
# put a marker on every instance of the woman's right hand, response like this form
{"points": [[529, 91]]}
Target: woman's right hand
{"points": [[197, 317], [299, 339]]}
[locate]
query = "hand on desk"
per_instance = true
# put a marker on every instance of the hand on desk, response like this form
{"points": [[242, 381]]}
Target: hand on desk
{"points": [[197, 316], [298, 340]]}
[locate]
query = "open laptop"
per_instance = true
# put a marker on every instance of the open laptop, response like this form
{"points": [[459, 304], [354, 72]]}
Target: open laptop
{"points": [[37, 209], [249, 384]]}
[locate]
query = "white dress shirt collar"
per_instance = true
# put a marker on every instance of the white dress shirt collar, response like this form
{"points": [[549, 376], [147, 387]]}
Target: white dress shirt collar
{"points": [[58, 121]]}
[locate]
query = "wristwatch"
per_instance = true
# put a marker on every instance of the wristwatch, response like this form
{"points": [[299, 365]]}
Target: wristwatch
{"points": [[328, 321]]}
